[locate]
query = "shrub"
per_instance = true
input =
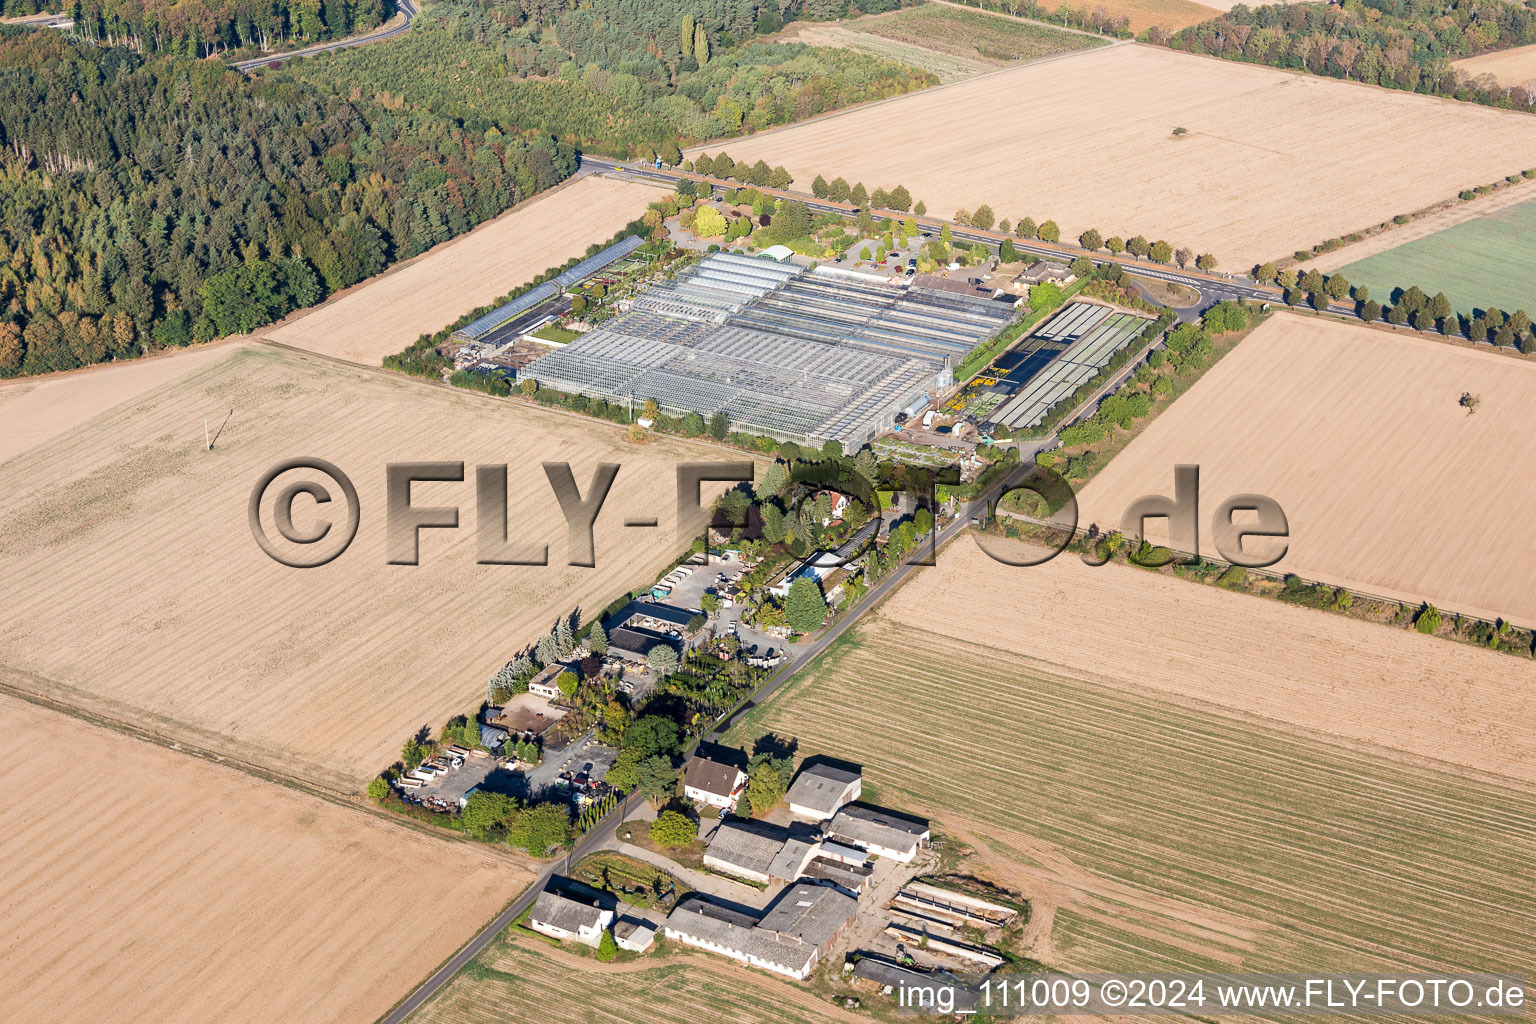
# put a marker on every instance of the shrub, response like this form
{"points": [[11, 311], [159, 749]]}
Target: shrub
{"points": [[672, 829], [1427, 621], [607, 949]]}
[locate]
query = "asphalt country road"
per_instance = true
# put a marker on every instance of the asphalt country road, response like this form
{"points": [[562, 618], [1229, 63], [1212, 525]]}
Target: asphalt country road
{"points": [[405, 7]]}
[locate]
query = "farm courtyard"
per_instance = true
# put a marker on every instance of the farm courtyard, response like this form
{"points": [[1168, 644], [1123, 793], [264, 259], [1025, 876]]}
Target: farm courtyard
{"points": [[1390, 485], [1089, 141], [135, 590], [1197, 802]]}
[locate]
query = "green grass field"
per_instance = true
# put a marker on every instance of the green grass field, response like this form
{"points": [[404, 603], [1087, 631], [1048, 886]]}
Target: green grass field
{"points": [[1479, 264]]}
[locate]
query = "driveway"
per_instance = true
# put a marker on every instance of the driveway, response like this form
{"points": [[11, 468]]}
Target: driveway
{"points": [[702, 881]]}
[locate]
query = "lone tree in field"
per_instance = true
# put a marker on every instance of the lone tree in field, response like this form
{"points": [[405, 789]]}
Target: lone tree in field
{"points": [[805, 607], [1470, 402]]}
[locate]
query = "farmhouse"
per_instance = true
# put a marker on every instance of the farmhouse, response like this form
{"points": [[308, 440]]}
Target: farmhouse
{"points": [[543, 684], [789, 939], [713, 783], [879, 832], [562, 917], [745, 849], [820, 789], [1041, 271]]}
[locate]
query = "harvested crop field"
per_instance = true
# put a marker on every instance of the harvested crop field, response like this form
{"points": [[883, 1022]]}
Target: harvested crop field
{"points": [[1515, 66], [679, 986], [134, 586], [1252, 179], [1144, 14], [1478, 263], [1131, 782], [386, 313], [1390, 486], [143, 884]]}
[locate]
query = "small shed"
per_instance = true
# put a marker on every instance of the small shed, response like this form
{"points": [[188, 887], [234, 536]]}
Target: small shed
{"points": [[633, 934], [778, 252]]}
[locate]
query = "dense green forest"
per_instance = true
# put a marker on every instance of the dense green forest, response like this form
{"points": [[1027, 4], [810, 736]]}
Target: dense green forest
{"points": [[1401, 44], [149, 199], [148, 202], [198, 28], [612, 76]]}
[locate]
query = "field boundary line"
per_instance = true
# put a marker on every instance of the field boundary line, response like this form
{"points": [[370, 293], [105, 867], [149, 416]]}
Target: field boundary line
{"points": [[1080, 532], [264, 774]]}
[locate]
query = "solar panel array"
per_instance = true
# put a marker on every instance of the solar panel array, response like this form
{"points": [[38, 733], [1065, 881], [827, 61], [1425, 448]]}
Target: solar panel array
{"points": [[804, 356], [1092, 335], [479, 328]]}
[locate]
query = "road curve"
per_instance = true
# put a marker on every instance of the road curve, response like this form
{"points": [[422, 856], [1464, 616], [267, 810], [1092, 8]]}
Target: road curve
{"points": [[405, 7]]}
